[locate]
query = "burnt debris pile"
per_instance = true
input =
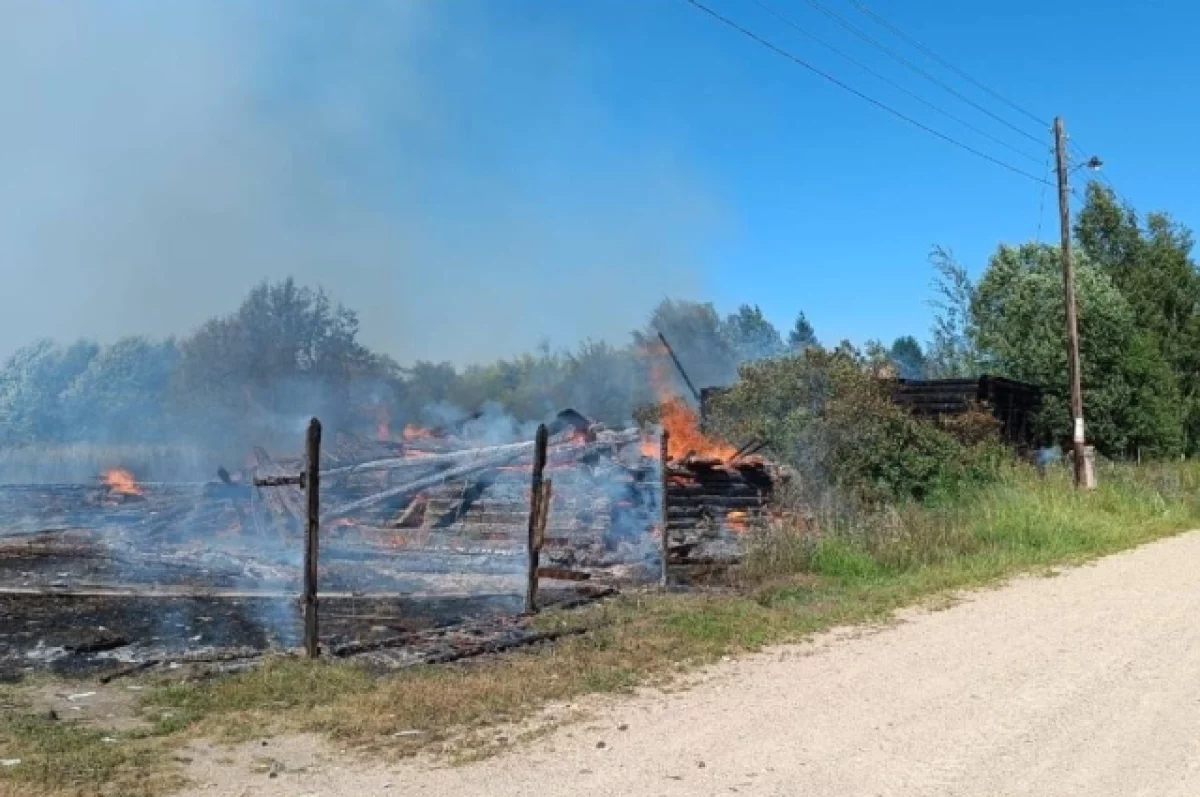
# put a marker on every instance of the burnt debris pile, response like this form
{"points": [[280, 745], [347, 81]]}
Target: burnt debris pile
{"points": [[424, 548], [713, 505]]}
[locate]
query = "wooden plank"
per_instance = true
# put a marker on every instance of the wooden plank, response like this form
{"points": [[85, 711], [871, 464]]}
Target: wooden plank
{"points": [[664, 519], [563, 574]]}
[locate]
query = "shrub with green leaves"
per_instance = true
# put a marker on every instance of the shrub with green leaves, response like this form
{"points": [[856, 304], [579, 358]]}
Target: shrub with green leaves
{"points": [[828, 416]]}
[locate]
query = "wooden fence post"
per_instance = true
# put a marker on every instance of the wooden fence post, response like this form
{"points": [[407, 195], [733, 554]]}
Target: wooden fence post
{"points": [[663, 455], [312, 484], [535, 525]]}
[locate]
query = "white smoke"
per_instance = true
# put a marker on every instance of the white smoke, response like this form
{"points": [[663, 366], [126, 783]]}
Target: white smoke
{"points": [[453, 183]]}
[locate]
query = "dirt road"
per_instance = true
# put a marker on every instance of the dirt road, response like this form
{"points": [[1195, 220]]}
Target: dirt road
{"points": [[1083, 684]]}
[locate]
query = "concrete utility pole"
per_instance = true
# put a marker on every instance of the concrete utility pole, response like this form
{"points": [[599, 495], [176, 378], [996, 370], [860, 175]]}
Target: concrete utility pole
{"points": [[1064, 217]]}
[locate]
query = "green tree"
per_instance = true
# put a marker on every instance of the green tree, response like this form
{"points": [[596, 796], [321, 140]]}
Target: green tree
{"points": [[831, 419], [694, 331], [907, 356], [604, 382], [1130, 399], [952, 351], [286, 353], [802, 335], [123, 394], [1153, 268], [426, 384], [750, 335], [32, 383]]}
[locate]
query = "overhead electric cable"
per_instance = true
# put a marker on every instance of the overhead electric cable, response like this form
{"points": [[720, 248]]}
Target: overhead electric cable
{"points": [[894, 84], [846, 87], [895, 56], [939, 59], [1042, 199]]}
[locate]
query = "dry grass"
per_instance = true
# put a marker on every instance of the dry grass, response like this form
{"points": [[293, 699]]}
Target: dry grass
{"points": [[797, 583]]}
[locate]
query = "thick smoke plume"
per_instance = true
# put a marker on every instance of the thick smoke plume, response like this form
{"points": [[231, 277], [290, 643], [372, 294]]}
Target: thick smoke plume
{"points": [[441, 168]]}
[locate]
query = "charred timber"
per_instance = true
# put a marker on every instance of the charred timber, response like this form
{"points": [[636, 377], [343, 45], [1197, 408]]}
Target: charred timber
{"points": [[563, 574], [502, 645], [664, 540], [537, 528], [715, 497], [676, 512], [496, 460], [466, 455], [456, 457], [279, 481], [285, 502], [312, 488], [500, 457]]}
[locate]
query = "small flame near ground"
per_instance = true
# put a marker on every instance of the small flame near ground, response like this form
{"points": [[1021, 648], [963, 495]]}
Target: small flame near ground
{"points": [[417, 433], [121, 481], [738, 520]]}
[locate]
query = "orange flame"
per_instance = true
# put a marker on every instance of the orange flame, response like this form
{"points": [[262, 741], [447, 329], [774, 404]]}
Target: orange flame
{"points": [[737, 520], [417, 432], [681, 423], [679, 420], [121, 481]]}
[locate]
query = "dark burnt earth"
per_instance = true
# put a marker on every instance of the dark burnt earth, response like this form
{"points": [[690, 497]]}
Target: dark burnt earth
{"points": [[94, 578]]}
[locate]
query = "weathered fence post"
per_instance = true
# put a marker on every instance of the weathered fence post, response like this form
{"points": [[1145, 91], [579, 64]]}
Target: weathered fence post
{"points": [[536, 526], [539, 538], [312, 484], [663, 445]]}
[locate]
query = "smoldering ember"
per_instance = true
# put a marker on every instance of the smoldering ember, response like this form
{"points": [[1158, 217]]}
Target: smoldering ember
{"points": [[425, 546]]}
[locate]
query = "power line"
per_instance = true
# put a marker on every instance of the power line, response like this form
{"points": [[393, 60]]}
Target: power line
{"points": [[1042, 199], [895, 56], [845, 87], [929, 52], [869, 70], [878, 18]]}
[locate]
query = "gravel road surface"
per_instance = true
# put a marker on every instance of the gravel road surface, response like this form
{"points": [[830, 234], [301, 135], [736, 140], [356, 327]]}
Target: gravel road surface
{"points": [[1087, 683]]}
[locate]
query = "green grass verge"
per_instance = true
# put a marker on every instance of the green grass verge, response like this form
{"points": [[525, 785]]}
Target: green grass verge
{"points": [[796, 584]]}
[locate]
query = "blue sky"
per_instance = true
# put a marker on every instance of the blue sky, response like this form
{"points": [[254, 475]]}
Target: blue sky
{"points": [[474, 176], [830, 204]]}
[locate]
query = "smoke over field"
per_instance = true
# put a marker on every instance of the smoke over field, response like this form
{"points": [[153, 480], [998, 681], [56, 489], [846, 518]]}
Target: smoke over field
{"points": [[160, 160]]}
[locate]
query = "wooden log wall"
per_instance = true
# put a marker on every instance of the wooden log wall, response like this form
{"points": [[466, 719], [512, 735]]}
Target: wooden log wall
{"points": [[710, 505]]}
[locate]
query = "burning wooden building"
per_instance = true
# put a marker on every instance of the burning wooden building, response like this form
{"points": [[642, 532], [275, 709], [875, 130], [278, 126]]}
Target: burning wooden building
{"points": [[417, 534]]}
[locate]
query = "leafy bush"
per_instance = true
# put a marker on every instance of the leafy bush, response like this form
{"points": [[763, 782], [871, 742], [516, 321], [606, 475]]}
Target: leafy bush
{"points": [[823, 413]]}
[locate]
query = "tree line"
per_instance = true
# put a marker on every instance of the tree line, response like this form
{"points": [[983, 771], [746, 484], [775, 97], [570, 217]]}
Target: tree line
{"points": [[288, 352], [1138, 294]]}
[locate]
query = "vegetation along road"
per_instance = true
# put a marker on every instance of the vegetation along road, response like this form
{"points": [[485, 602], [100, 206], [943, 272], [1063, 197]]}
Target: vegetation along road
{"points": [[1079, 684]]}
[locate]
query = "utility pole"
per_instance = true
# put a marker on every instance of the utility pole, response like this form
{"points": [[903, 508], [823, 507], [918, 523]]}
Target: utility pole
{"points": [[1064, 217]]}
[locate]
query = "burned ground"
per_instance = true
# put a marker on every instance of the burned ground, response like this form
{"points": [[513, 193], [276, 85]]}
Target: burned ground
{"points": [[423, 551]]}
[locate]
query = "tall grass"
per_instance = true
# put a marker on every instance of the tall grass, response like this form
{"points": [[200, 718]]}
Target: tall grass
{"points": [[1019, 521]]}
